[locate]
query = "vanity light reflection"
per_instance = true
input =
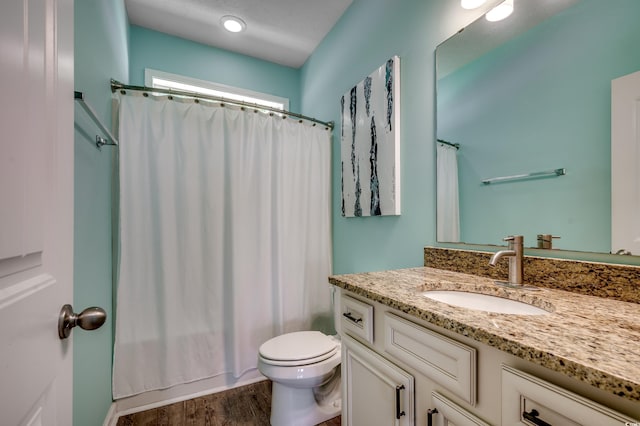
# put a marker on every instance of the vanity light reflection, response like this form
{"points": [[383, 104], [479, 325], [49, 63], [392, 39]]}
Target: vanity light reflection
{"points": [[471, 4], [500, 12]]}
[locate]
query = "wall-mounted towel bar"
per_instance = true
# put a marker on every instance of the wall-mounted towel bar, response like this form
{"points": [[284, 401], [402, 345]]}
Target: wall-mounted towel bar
{"points": [[548, 173], [100, 141], [455, 145]]}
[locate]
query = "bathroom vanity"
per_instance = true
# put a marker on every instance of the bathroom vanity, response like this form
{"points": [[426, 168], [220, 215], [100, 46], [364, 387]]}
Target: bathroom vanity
{"points": [[409, 359]]}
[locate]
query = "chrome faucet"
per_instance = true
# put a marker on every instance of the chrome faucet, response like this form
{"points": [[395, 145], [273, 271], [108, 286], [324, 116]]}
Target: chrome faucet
{"points": [[514, 252]]}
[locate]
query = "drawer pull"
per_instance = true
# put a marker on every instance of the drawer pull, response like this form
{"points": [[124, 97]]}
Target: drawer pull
{"points": [[430, 413], [398, 412], [350, 317], [532, 416]]}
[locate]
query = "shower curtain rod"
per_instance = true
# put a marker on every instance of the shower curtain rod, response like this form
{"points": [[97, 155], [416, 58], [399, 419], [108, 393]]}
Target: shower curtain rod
{"points": [[116, 85], [455, 145]]}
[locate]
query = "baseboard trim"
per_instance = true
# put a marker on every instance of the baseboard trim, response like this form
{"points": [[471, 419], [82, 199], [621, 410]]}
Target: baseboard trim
{"points": [[112, 417], [178, 393]]}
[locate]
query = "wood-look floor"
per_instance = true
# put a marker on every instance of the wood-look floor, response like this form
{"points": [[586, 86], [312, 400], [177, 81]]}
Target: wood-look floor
{"points": [[244, 406]]}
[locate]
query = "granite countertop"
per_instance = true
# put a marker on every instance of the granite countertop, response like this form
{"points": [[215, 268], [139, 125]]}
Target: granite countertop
{"points": [[591, 339]]}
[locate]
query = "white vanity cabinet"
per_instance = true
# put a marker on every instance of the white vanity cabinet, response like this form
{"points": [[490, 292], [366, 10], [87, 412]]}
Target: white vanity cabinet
{"points": [[466, 382], [375, 392]]}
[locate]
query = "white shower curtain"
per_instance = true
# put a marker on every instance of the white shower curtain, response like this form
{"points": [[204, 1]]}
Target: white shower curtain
{"points": [[447, 202], [224, 238]]}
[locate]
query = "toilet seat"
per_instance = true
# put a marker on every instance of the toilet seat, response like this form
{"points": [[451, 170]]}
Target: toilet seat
{"points": [[298, 348]]}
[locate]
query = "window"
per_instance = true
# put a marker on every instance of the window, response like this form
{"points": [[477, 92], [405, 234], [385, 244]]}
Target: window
{"points": [[164, 80]]}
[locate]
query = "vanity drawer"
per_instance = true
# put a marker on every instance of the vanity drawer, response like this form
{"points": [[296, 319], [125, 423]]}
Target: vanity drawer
{"points": [[357, 318], [444, 360], [525, 397]]}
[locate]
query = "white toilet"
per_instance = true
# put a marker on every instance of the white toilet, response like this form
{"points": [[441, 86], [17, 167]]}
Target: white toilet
{"points": [[305, 370]]}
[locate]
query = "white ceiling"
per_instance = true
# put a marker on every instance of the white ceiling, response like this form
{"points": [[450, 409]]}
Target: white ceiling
{"points": [[280, 31]]}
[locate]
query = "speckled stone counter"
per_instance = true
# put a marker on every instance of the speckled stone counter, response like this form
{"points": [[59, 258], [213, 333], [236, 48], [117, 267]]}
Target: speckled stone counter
{"points": [[592, 339], [621, 282]]}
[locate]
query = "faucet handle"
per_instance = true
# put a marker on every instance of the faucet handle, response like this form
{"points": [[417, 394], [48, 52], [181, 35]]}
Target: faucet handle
{"points": [[547, 236], [514, 241], [545, 240]]}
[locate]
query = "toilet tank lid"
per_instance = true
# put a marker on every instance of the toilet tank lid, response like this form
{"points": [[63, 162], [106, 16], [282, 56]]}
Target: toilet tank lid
{"points": [[299, 345]]}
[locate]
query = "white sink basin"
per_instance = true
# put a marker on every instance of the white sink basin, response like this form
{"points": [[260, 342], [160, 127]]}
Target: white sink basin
{"points": [[483, 302]]}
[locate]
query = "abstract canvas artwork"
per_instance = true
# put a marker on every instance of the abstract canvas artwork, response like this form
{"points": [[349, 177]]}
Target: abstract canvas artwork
{"points": [[370, 144]]}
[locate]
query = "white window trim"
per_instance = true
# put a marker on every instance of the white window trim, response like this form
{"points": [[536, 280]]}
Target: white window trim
{"points": [[165, 80]]}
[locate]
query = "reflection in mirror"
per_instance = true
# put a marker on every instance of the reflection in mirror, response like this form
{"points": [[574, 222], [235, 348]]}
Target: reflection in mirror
{"points": [[531, 94]]}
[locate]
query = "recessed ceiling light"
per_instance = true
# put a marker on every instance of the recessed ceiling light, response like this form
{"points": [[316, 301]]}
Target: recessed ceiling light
{"points": [[471, 4], [501, 11], [233, 23]]}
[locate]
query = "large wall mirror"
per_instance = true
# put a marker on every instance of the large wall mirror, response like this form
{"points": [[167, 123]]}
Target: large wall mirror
{"points": [[528, 95]]}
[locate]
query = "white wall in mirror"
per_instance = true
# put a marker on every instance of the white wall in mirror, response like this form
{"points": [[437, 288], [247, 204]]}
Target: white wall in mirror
{"points": [[625, 164]]}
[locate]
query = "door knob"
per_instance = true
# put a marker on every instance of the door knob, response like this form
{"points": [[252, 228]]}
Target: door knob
{"points": [[89, 319]]}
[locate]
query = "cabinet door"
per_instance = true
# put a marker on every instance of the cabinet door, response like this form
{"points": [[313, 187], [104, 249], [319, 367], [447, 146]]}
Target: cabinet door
{"points": [[452, 414], [375, 392]]}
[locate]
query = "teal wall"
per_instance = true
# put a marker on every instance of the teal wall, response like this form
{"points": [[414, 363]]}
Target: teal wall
{"points": [[370, 32], [163, 52], [541, 102], [101, 53]]}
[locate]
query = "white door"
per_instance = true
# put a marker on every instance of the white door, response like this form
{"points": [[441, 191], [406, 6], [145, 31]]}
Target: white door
{"points": [[36, 210], [625, 164], [375, 392]]}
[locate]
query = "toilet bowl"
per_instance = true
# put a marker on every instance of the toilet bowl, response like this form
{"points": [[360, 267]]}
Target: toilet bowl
{"points": [[305, 370]]}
